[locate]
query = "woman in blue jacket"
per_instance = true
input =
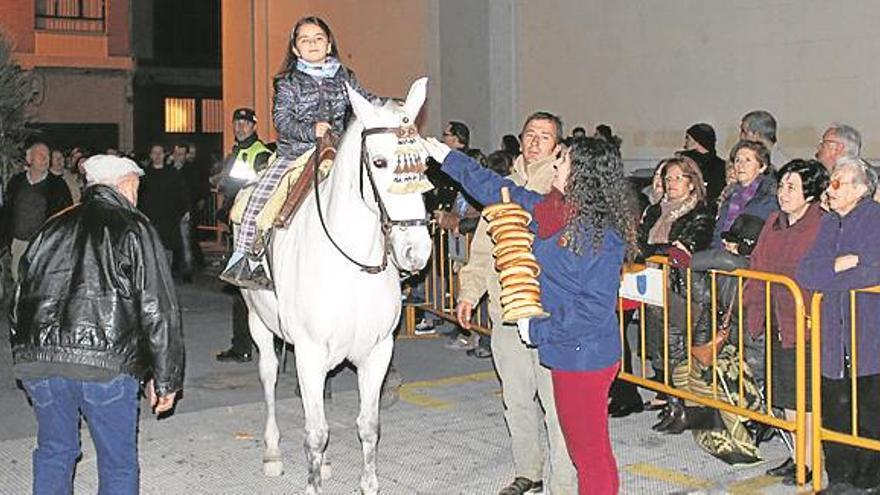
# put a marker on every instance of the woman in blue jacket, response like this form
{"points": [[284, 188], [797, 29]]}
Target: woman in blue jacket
{"points": [[584, 230]]}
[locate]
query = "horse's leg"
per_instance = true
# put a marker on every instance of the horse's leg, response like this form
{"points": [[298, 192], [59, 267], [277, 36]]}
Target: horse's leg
{"points": [[371, 373], [311, 369], [264, 338]]}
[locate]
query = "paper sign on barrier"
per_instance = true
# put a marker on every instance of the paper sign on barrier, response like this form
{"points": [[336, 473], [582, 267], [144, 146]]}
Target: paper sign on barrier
{"points": [[644, 286]]}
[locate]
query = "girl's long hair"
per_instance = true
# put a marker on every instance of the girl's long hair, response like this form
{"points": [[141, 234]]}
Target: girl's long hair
{"points": [[290, 59], [601, 195]]}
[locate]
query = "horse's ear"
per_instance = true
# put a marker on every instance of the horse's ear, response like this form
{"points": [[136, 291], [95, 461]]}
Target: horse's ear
{"points": [[416, 98], [363, 109]]}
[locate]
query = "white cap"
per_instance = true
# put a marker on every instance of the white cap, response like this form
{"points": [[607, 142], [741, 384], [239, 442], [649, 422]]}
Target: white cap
{"points": [[108, 169]]}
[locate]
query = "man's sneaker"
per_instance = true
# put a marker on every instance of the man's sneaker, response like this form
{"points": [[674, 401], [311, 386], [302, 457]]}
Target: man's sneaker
{"points": [[232, 355], [521, 485], [463, 342], [424, 327]]}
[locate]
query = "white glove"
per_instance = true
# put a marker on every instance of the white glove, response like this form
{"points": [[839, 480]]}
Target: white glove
{"points": [[522, 325], [436, 149]]}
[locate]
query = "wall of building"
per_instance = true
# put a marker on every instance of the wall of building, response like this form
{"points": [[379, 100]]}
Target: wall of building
{"points": [[651, 68]]}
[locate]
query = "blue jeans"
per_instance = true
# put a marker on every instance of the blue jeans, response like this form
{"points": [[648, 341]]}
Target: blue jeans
{"points": [[111, 411]]}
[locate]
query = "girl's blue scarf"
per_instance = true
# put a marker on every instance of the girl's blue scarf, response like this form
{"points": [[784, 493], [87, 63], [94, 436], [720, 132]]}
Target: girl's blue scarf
{"points": [[320, 71]]}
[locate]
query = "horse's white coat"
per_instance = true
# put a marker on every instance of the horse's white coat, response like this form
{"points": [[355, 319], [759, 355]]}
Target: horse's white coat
{"points": [[328, 307]]}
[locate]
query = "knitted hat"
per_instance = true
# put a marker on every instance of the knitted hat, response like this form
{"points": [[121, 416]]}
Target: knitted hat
{"points": [[703, 134]]}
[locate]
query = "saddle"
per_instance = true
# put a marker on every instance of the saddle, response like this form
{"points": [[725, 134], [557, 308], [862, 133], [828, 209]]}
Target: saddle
{"points": [[292, 189]]}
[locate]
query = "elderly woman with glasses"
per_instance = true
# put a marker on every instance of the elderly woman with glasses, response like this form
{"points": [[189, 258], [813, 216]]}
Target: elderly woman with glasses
{"points": [[786, 237], [846, 256], [678, 226]]}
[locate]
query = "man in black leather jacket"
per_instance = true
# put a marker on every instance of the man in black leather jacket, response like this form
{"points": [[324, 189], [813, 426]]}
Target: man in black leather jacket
{"points": [[96, 313]]}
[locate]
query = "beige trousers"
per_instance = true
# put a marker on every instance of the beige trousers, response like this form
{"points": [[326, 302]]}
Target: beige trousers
{"points": [[17, 250]]}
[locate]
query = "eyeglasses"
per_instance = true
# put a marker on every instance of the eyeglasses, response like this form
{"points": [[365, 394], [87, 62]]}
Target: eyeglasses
{"points": [[675, 178], [836, 183], [822, 142]]}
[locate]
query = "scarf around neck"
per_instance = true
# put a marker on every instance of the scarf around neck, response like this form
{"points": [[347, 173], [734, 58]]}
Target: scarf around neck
{"points": [[670, 211], [553, 213], [320, 71]]}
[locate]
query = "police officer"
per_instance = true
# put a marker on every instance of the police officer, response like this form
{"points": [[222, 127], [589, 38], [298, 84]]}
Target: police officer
{"points": [[248, 157]]}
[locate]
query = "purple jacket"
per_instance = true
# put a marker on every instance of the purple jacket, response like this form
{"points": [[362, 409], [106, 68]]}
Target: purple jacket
{"points": [[857, 233]]}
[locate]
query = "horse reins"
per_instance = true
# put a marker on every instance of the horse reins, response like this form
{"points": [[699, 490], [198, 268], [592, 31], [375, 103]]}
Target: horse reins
{"points": [[387, 223]]}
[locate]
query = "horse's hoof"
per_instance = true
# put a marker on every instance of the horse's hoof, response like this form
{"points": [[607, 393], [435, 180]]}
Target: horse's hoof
{"points": [[326, 471], [273, 469]]}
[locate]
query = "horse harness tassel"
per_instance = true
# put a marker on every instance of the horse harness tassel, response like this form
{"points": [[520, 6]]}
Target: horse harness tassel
{"points": [[409, 178]]}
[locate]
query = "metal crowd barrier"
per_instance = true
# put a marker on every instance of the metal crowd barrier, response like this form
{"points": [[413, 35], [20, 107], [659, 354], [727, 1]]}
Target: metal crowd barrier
{"points": [[820, 433], [797, 427], [437, 289]]}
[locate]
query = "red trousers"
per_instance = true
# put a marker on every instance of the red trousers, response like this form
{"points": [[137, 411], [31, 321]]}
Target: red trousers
{"points": [[582, 407]]}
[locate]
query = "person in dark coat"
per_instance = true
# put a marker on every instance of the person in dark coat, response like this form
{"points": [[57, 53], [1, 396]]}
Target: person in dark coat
{"points": [[699, 146], [164, 200], [678, 226], [84, 350]]}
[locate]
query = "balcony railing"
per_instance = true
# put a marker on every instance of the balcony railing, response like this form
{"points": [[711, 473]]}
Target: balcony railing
{"points": [[83, 16]]}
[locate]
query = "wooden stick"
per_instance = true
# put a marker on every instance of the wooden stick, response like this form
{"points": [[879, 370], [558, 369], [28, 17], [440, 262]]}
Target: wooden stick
{"points": [[505, 195]]}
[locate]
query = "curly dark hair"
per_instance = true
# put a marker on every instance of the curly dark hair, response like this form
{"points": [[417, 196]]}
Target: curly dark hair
{"points": [[601, 196]]}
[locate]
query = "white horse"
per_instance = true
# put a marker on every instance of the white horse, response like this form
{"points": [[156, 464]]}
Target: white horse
{"points": [[327, 306]]}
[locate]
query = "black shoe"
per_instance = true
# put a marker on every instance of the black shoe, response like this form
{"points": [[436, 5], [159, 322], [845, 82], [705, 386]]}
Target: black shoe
{"points": [[233, 355], [672, 415], [521, 485], [784, 470], [480, 352], [616, 410]]}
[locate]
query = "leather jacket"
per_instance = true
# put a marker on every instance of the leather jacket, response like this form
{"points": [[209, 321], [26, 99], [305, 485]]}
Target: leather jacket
{"points": [[97, 292]]}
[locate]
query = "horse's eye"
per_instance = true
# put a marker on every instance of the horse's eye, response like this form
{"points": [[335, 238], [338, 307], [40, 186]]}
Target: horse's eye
{"points": [[380, 162]]}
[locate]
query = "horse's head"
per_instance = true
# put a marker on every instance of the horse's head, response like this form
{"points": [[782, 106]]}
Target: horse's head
{"points": [[394, 163]]}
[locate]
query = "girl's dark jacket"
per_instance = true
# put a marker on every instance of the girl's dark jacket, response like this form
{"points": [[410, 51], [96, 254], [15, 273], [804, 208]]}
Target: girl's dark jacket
{"points": [[301, 101]]}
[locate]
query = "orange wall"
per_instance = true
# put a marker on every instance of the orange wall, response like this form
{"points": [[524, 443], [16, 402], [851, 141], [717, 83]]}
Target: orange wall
{"points": [[386, 51], [17, 23]]}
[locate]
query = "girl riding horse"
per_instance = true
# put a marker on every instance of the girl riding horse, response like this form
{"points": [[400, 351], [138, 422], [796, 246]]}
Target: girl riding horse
{"points": [[310, 101]]}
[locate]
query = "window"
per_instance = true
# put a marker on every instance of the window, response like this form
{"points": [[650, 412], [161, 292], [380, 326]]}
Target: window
{"points": [[180, 115], [212, 116], [70, 15]]}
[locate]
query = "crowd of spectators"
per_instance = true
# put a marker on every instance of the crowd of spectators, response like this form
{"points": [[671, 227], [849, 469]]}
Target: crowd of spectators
{"points": [[757, 209], [174, 194]]}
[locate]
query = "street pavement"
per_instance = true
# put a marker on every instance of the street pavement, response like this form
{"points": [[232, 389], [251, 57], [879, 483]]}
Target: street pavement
{"points": [[446, 435]]}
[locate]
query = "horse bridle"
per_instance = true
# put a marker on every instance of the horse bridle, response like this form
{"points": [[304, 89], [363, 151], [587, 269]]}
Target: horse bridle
{"points": [[386, 222]]}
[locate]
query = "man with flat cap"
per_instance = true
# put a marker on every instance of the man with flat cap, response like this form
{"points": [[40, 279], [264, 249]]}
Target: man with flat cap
{"points": [[248, 157], [95, 316]]}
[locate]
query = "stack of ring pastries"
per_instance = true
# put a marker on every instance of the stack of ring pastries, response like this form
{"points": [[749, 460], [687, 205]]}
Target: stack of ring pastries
{"points": [[518, 269]]}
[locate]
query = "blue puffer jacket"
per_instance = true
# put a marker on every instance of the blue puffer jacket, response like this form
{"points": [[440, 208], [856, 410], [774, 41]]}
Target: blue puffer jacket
{"points": [[579, 291], [302, 100]]}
